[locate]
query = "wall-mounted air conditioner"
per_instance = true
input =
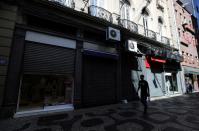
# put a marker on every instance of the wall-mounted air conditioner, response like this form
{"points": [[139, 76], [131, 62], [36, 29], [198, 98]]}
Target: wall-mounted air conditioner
{"points": [[113, 34], [132, 45]]}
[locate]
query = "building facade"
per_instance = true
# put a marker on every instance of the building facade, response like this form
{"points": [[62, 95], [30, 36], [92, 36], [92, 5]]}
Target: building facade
{"points": [[188, 43], [69, 54]]}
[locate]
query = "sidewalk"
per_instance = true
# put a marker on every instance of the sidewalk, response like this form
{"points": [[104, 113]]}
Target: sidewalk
{"points": [[178, 113]]}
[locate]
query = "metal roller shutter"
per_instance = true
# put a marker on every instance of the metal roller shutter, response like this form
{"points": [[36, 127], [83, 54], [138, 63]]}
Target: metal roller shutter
{"points": [[99, 81], [48, 59]]}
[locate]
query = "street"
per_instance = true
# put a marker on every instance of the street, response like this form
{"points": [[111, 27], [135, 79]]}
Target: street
{"points": [[173, 114]]}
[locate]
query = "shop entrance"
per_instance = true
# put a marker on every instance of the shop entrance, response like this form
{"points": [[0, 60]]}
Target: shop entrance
{"points": [[99, 80], [171, 83], [47, 81]]}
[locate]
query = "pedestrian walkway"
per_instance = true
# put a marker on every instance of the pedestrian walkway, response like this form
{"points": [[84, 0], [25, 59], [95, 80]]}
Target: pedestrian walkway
{"points": [[180, 113]]}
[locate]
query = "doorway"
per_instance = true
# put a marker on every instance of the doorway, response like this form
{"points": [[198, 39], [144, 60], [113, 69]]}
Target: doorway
{"points": [[99, 80], [171, 83]]}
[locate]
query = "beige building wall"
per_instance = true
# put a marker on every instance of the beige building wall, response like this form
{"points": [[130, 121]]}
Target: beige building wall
{"points": [[169, 26]]}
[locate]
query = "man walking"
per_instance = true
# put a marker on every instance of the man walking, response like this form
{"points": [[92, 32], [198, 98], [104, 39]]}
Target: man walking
{"points": [[144, 92]]}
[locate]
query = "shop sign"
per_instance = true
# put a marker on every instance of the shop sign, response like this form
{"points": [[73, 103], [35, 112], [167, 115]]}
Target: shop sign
{"points": [[158, 60], [147, 64]]}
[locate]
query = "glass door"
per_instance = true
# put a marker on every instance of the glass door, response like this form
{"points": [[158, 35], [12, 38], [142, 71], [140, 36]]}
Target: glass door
{"points": [[171, 83]]}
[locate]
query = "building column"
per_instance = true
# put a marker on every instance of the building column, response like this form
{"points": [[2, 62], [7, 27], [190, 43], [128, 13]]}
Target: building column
{"points": [[8, 14], [77, 98]]}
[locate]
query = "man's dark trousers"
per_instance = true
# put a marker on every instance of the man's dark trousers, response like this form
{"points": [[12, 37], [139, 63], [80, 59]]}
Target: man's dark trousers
{"points": [[144, 102]]}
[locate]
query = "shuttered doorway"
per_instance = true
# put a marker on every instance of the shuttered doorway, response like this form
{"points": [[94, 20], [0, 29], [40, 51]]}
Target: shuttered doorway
{"points": [[99, 80]]}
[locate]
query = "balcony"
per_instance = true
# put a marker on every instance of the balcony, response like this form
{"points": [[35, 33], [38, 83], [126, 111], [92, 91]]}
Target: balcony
{"points": [[189, 28], [162, 39], [100, 13], [115, 18], [146, 32], [129, 25], [165, 40], [184, 41], [141, 30], [67, 3], [151, 34]]}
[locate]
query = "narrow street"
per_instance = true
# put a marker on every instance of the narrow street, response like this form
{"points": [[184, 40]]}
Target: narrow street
{"points": [[173, 114]]}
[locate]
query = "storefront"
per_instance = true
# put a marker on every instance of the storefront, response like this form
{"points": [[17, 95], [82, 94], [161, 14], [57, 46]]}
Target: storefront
{"points": [[47, 78], [161, 69], [191, 76], [99, 74]]}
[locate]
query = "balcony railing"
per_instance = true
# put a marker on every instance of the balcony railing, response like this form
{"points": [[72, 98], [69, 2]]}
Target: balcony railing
{"points": [[141, 30], [158, 37], [100, 13], [165, 40], [133, 27], [67, 3], [115, 18], [129, 25], [162, 39], [151, 34], [146, 32], [189, 28]]}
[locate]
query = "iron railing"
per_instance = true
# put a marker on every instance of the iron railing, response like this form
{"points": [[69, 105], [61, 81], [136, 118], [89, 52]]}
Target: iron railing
{"points": [[151, 34], [162, 39], [133, 27], [165, 40], [141, 30], [129, 25], [115, 18], [146, 32], [158, 37], [100, 13], [67, 3]]}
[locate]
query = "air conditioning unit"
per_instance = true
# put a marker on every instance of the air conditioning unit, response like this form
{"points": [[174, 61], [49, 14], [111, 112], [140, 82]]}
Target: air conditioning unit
{"points": [[113, 34], [132, 45]]}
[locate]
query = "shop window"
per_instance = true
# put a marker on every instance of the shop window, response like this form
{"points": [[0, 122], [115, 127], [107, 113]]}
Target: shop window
{"points": [[41, 91]]}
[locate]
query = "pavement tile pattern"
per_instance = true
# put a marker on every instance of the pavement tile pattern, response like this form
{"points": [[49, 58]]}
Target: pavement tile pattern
{"points": [[179, 113]]}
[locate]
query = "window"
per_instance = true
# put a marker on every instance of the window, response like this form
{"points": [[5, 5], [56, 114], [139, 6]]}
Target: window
{"points": [[145, 14], [176, 13], [160, 24], [125, 9], [181, 18], [41, 91], [99, 3]]}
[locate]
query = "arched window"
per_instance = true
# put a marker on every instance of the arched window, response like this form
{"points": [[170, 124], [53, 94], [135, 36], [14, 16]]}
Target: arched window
{"points": [[125, 9], [145, 15]]}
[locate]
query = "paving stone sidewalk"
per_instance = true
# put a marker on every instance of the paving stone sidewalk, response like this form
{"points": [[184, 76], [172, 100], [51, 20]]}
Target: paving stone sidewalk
{"points": [[179, 113]]}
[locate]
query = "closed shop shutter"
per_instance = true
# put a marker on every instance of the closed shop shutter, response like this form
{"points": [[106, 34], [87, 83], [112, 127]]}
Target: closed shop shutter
{"points": [[99, 80], [48, 59]]}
